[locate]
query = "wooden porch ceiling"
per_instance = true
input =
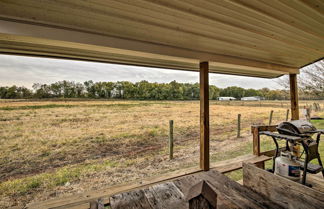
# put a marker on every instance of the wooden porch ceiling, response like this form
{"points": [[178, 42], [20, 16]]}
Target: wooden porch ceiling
{"points": [[254, 38]]}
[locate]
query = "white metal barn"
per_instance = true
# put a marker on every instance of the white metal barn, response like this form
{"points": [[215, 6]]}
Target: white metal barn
{"points": [[226, 98], [256, 98]]}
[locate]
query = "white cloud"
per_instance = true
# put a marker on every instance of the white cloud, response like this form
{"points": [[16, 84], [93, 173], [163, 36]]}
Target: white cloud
{"points": [[24, 71]]}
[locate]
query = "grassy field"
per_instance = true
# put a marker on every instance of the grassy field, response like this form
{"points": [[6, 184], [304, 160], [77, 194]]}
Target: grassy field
{"points": [[56, 148]]}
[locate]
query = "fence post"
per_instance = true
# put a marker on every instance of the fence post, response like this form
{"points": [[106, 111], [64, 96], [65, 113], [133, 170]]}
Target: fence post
{"points": [[270, 118], [287, 115], [171, 140], [238, 125]]}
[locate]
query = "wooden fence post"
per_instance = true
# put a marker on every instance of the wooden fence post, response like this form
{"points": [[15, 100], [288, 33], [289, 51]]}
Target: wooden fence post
{"points": [[171, 140], [270, 118], [287, 115], [238, 125]]}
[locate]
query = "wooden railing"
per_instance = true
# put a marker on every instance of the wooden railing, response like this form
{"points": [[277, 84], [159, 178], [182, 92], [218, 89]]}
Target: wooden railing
{"points": [[255, 130]]}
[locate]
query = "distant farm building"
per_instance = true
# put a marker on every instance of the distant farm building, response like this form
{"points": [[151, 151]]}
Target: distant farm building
{"points": [[226, 98], [256, 98]]}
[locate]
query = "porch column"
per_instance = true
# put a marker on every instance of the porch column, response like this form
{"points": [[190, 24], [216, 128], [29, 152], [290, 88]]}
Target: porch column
{"points": [[294, 97], [204, 116]]}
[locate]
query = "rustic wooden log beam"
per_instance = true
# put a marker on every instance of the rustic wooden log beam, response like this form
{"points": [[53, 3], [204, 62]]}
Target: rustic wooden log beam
{"points": [[286, 193], [294, 97]]}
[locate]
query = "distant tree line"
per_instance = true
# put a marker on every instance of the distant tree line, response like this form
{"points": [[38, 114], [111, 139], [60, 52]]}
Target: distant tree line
{"points": [[142, 90]]}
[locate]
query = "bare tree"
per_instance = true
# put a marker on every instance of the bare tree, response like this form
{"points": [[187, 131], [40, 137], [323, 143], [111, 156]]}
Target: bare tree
{"points": [[310, 80]]}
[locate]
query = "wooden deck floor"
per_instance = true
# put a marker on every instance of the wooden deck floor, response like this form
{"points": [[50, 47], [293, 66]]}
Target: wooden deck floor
{"points": [[317, 181], [259, 189], [173, 194]]}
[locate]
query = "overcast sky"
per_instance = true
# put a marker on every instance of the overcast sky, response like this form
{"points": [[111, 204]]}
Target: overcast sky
{"points": [[24, 71]]}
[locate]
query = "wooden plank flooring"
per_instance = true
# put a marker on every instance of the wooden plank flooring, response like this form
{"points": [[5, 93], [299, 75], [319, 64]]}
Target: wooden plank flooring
{"points": [[173, 194]]}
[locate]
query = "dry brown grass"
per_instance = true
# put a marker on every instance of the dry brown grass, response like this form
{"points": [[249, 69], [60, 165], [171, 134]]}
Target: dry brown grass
{"points": [[50, 148]]}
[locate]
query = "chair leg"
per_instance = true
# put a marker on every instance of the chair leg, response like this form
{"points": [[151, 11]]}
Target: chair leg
{"points": [[305, 168], [320, 163], [276, 154], [305, 171]]}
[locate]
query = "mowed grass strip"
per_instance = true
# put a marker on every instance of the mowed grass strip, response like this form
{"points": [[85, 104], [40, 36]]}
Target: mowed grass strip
{"points": [[51, 180], [35, 107], [48, 106]]}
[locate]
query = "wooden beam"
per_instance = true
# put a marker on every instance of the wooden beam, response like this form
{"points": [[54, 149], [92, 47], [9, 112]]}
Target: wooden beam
{"points": [[294, 97], [255, 129], [284, 192], [204, 116], [256, 141]]}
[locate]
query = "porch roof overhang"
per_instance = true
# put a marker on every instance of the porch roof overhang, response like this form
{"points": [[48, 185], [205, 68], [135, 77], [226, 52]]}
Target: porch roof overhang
{"points": [[257, 38]]}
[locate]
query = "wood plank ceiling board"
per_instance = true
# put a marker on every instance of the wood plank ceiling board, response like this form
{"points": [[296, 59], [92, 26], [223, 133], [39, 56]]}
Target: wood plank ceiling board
{"points": [[253, 38]]}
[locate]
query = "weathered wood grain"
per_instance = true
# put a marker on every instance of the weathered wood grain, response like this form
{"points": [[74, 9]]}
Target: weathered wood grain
{"points": [[170, 195], [294, 96], [239, 195], [165, 195], [137, 197], [287, 193], [202, 196], [255, 129]]}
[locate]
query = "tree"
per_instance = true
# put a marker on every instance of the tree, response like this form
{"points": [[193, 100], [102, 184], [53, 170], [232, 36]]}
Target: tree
{"points": [[42, 90], [129, 90], [312, 79], [91, 91], [232, 91]]}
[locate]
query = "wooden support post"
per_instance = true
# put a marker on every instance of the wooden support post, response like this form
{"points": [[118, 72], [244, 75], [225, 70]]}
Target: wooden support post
{"points": [[204, 116], [256, 140], [255, 129], [294, 105], [287, 115], [171, 140], [294, 97], [238, 125], [270, 117]]}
